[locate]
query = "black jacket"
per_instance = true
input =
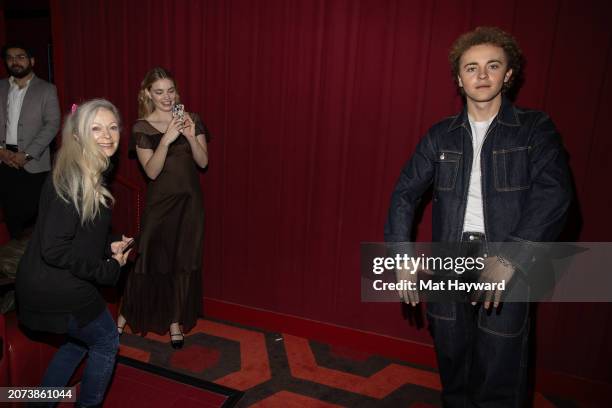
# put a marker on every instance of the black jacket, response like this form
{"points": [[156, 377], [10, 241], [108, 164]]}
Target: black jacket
{"points": [[526, 187], [62, 265]]}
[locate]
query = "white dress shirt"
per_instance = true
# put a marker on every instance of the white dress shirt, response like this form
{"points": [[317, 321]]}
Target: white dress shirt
{"points": [[13, 107]]}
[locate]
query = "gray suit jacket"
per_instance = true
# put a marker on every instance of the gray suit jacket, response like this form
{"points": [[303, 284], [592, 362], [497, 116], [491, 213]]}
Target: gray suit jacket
{"points": [[39, 122]]}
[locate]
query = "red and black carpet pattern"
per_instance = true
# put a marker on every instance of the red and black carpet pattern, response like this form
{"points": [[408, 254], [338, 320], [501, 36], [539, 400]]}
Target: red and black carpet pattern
{"points": [[281, 370]]}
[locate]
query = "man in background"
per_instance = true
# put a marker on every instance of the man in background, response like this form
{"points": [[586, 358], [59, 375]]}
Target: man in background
{"points": [[29, 121]]}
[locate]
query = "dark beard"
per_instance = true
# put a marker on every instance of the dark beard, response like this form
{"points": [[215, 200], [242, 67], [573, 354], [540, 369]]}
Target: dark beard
{"points": [[19, 74]]}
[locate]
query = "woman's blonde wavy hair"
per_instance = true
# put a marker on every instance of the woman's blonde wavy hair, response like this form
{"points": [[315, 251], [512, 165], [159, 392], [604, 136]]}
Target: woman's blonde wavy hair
{"points": [[145, 104], [78, 168]]}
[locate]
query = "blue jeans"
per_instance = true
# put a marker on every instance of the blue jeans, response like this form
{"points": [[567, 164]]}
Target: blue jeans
{"points": [[100, 340], [482, 355]]}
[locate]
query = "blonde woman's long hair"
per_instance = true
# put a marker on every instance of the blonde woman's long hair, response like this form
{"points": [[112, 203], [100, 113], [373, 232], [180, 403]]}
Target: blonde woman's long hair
{"points": [[145, 104], [78, 168]]}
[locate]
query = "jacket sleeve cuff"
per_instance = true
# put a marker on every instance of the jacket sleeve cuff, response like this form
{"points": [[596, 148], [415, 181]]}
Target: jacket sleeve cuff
{"points": [[522, 254]]}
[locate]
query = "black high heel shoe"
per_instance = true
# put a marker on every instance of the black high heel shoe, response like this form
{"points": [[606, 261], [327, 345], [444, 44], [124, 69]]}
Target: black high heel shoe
{"points": [[175, 342]]}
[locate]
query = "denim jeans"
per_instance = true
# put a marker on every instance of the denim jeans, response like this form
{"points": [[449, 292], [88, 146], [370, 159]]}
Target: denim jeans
{"points": [[482, 355], [100, 340]]}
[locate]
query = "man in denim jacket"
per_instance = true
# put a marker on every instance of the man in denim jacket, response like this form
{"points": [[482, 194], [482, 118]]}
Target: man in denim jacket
{"points": [[499, 174]]}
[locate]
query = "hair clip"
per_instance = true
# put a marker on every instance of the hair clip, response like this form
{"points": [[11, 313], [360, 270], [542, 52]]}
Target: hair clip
{"points": [[73, 108]]}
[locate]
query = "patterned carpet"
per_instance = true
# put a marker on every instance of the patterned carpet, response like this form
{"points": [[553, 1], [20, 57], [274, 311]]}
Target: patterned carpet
{"points": [[281, 370]]}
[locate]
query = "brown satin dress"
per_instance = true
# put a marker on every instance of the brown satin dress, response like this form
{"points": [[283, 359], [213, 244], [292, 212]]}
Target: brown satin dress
{"points": [[166, 283]]}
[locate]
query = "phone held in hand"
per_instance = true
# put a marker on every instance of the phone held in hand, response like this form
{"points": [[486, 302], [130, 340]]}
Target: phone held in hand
{"points": [[178, 111], [129, 245]]}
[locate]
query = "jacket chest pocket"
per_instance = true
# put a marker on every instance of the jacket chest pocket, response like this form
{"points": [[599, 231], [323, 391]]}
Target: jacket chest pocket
{"points": [[511, 168], [447, 167]]}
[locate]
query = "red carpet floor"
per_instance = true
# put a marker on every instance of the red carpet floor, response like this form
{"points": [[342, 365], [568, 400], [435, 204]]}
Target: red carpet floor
{"points": [[281, 370]]}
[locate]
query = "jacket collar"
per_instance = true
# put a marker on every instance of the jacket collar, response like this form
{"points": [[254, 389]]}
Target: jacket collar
{"points": [[507, 116]]}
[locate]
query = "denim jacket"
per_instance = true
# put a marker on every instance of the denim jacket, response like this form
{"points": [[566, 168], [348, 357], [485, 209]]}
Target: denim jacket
{"points": [[526, 187]]}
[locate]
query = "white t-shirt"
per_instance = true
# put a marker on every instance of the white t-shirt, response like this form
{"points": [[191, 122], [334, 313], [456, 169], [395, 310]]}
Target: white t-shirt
{"points": [[474, 217]]}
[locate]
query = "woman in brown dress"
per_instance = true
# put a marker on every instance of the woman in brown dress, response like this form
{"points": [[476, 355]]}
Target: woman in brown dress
{"points": [[165, 289]]}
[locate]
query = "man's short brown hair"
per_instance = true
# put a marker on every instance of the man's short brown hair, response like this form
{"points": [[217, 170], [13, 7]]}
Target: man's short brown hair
{"points": [[493, 36]]}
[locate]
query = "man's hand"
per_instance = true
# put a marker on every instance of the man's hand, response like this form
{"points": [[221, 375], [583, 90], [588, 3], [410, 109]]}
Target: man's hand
{"points": [[7, 157], [19, 159], [496, 270], [411, 279]]}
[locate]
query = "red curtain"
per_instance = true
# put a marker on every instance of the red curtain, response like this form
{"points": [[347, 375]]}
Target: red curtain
{"points": [[314, 107]]}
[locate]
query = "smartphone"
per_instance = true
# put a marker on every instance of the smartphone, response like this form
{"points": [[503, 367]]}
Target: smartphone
{"points": [[129, 245], [178, 111]]}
